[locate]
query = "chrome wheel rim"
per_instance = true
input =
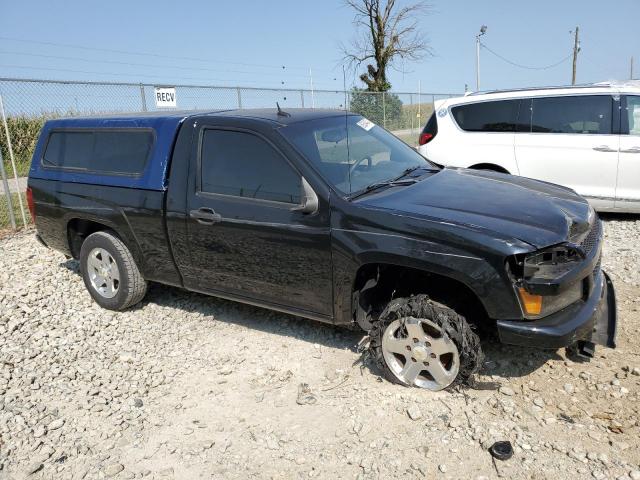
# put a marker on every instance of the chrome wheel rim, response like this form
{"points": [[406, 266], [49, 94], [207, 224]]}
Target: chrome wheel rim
{"points": [[103, 273], [419, 353]]}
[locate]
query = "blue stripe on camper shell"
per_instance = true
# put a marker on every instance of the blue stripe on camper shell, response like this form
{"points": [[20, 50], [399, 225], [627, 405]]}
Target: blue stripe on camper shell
{"points": [[165, 127]]}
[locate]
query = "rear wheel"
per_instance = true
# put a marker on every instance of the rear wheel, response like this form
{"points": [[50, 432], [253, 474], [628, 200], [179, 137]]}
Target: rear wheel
{"points": [[110, 273], [420, 343]]}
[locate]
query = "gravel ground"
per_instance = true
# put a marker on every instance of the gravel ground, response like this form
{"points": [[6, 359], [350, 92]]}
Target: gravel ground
{"points": [[187, 387]]}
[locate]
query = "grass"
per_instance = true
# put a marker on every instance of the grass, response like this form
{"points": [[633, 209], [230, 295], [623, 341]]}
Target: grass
{"points": [[22, 166], [411, 139], [5, 221], [24, 132], [410, 119]]}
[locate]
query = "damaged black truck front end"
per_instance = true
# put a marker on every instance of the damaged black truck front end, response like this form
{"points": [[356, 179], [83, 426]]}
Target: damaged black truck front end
{"points": [[565, 296]]}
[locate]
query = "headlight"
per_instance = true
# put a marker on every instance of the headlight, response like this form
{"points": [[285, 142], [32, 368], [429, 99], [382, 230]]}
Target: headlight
{"points": [[538, 306], [552, 262], [548, 264]]}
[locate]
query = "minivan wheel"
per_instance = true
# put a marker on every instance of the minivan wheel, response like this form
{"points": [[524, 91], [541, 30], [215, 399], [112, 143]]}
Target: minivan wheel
{"points": [[420, 343], [110, 273]]}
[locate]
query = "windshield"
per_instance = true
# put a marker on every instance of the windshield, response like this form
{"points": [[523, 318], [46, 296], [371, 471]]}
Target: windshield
{"points": [[352, 153]]}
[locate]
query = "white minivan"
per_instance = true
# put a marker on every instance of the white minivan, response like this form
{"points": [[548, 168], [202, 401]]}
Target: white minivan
{"points": [[584, 137]]}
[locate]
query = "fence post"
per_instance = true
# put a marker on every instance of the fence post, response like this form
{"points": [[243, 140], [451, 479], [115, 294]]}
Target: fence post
{"points": [[384, 111], [239, 97], [7, 193], [143, 98], [411, 110], [13, 162], [302, 98]]}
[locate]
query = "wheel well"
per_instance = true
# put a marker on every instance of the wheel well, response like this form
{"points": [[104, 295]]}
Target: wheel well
{"points": [[376, 284], [489, 166], [78, 229]]}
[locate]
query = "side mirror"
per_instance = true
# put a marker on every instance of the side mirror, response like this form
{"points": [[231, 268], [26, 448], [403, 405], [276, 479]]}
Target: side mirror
{"points": [[309, 202]]}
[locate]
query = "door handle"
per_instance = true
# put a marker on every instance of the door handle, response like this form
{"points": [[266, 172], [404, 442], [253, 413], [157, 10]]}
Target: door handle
{"points": [[631, 150], [604, 148], [205, 216]]}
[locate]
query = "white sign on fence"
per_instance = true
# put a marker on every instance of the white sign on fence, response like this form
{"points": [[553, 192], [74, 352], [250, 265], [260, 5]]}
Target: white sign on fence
{"points": [[165, 97]]}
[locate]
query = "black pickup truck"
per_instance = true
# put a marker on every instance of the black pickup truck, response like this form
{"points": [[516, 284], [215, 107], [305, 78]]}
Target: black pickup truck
{"points": [[324, 215]]}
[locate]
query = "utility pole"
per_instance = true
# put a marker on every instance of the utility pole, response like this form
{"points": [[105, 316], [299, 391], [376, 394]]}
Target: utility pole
{"points": [[576, 49], [631, 71], [483, 30], [478, 63]]}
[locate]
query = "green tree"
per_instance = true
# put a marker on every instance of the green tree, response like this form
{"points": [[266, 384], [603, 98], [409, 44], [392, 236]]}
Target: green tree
{"points": [[385, 34], [381, 108]]}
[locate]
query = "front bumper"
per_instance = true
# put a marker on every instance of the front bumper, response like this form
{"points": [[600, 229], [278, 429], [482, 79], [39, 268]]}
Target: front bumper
{"points": [[591, 320]]}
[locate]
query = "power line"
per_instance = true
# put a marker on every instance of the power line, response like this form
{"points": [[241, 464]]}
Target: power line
{"points": [[88, 72], [527, 67], [148, 54], [116, 62]]}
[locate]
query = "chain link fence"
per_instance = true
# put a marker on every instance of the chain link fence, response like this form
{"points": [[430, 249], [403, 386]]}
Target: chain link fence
{"points": [[27, 104]]}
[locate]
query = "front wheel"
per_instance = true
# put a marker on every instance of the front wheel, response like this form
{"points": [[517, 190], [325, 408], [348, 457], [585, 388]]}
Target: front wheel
{"points": [[110, 272], [420, 343]]}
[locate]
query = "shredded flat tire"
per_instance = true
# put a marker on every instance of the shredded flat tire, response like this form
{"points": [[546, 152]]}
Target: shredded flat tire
{"points": [[444, 319]]}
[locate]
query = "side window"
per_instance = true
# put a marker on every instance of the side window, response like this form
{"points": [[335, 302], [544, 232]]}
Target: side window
{"points": [[499, 116], [633, 114], [244, 165], [69, 149], [590, 114], [122, 152]]}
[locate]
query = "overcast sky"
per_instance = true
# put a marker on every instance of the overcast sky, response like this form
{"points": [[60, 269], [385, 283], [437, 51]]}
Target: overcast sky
{"points": [[248, 42]]}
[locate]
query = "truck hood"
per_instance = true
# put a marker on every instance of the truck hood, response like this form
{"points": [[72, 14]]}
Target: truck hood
{"points": [[535, 212]]}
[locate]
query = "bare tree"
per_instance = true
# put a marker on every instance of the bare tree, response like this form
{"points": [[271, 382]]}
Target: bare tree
{"points": [[385, 34]]}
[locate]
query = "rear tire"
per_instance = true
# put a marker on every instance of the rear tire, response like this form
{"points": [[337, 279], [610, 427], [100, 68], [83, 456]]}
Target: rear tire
{"points": [[110, 273], [420, 343]]}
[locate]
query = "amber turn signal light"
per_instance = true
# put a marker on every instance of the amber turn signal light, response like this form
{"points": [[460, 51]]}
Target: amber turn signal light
{"points": [[532, 303]]}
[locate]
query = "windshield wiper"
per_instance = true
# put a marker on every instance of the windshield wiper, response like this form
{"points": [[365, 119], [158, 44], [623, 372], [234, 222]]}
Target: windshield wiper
{"points": [[413, 169], [407, 172], [377, 185], [394, 182]]}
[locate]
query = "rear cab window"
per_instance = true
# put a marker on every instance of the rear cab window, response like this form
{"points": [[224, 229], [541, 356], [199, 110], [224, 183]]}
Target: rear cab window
{"points": [[109, 151]]}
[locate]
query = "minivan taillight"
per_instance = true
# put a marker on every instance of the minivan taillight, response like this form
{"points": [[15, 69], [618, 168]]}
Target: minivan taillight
{"points": [[425, 138], [32, 208], [429, 131]]}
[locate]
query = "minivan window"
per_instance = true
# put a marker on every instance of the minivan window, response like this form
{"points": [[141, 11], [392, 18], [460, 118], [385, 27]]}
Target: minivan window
{"points": [[586, 114], [498, 116], [244, 165], [108, 151], [633, 114]]}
